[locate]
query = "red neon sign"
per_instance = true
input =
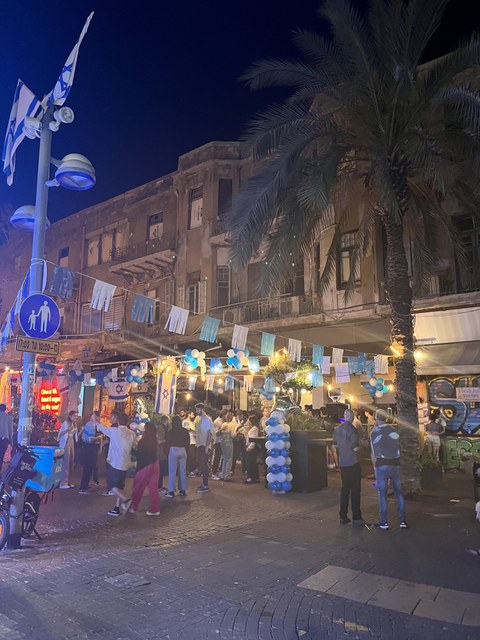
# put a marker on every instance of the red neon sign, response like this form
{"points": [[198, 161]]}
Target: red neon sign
{"points": [[50, 400]]}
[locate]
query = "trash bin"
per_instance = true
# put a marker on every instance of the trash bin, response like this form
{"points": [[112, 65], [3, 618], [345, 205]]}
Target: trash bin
{"points": [[48, 468], [309, 461]]}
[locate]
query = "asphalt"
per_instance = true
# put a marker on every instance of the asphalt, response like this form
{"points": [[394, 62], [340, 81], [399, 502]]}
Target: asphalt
{"points": [[239, 563]]}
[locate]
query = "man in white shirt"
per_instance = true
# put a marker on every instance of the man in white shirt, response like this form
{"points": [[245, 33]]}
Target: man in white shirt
{"points": [[119, 457], [204, 428]]}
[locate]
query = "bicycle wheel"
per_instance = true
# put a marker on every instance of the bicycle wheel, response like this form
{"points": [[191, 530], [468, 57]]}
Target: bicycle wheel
{"points": [[30, 513], [4, 528]]}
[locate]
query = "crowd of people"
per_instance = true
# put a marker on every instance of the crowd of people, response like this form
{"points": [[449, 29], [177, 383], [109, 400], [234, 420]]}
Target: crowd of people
{"points": [[168, 451]]}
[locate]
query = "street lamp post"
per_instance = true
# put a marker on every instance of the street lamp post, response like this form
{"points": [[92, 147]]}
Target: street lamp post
{"points": [[80, 176]]}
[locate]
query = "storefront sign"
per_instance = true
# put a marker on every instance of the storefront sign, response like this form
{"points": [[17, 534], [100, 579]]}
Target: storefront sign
{"points": [[468, 394], [50, 400], [35, 345]]}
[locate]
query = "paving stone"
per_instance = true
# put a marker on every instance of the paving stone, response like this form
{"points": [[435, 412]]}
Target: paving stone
{"points": [[326, 578]]}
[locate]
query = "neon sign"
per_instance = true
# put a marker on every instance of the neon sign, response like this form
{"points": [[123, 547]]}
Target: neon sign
{"points": [[50, 400]]}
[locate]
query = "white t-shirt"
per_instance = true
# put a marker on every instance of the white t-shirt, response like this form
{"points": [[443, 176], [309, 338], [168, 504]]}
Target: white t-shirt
{"points": [[122, 440]]}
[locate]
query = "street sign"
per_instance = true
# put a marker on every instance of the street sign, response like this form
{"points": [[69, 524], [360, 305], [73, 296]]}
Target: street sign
{"points": [[34, 345], [39, 316]]}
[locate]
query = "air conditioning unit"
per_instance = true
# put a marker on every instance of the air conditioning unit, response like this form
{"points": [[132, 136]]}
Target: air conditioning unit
{"points": [[229, 316]]}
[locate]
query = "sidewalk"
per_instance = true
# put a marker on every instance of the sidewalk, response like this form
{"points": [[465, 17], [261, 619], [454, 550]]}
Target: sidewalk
{"points": [[240, 563]]}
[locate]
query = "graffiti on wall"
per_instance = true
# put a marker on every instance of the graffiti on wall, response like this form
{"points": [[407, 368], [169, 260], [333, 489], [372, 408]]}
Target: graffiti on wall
{"points": [[453, 448], [460, 416]]}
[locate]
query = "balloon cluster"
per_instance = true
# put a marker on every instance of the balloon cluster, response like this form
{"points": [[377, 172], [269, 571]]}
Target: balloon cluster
{"points": [[76, 373], [103, 377], [216, 365], [376, 387], [278, 461], [138, 422], [236, 359], [195, 358], [265, 393], [133, 376], [46, 368]]}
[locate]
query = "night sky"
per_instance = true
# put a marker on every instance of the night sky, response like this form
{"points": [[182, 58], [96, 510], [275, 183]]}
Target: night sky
{"points": [[154, 79]]}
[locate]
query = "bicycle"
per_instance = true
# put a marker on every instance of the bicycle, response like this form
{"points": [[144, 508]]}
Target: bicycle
{"points": [[14, 478]]}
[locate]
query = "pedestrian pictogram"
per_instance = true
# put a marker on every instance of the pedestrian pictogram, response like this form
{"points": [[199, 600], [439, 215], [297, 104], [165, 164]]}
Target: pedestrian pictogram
{"points": [[39, 316]]}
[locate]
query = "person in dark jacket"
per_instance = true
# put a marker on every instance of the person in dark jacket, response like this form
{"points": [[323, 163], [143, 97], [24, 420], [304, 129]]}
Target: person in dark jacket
{"points": [[148, 471], [178, 441], [347, 440]]}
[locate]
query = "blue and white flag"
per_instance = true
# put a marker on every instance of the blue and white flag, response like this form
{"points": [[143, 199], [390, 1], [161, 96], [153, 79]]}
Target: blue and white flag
{"points": [[25, 103], [60, 91], [166, 393]]}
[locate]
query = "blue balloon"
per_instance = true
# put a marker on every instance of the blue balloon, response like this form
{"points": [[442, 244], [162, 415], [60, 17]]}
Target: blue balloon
{"points": [[285, 436], [275, 468], [129, 378], [284, 453], [380, 381], [188, 353], [272, 422], [274, 437], [276, 485], [379, 386], [285, 468], [138, 379], [270, 485], [274, 453], [286, 486]]}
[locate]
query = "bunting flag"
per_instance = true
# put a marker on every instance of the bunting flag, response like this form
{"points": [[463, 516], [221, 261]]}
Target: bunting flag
{"points": [[295, 349], [143, 309], [248, 383], [209, 329], [62, 283], [25, 105], [370, 369], [337, 356], [239, 337], [269, 384], [326, 365], [253, 364], [209, 382], [165, 393], [317, 354], [192, 381], [177, 320], [60, 91], [267, 348], [317, 379], [229, 383], [342, 374], [381, 364], [102, 295]]}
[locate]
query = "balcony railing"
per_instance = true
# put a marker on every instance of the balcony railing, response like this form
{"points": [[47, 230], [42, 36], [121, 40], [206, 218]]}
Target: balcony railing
{"points": [[268, 308], [217, 227], [444, 284], [168, 242]]}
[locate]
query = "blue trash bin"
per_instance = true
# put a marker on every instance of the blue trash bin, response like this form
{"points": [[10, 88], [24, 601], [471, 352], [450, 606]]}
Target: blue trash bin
{"points": [[48, 468]]}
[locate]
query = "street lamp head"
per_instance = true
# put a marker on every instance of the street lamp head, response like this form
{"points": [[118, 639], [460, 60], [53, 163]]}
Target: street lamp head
{"points": [[24, 218], [75, 172]]}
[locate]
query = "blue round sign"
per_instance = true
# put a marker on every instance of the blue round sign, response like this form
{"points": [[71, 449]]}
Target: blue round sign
{"points": [[39, 316]]}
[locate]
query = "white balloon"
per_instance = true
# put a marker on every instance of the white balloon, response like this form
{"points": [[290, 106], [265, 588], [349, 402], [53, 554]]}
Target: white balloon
{"points": [[288, 461], [270, 445], [379, 394], [286, 428], [286, 444], [270, 460], [134, 372], [279, 460], [271, 477], [281, 477], [230, 353], [289, 477], [269, 430], [373, 382], [278, 428], [195, 353]]}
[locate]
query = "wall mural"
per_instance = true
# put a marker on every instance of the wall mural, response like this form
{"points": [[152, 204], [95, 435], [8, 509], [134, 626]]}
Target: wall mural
{"points": [[462, 417], [453, 448]]}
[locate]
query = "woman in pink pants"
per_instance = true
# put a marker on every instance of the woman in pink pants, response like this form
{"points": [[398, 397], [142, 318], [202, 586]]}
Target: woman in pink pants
{"points": [[148, 471]]}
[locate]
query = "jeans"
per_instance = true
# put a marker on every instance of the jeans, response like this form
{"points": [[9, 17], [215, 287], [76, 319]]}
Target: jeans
{"points": [[351, 487], [383, 474], [146, 477], [89, 458], [217, 454], [227, 457], [202, 461], [177, 457]]}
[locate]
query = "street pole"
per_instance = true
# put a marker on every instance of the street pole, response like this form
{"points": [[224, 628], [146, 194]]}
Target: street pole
{"points": [[35, 286]]}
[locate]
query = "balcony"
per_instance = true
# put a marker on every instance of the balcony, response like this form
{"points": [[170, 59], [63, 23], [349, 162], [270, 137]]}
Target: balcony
{"points": [[218, 233], [262, 309], [145, 260]]}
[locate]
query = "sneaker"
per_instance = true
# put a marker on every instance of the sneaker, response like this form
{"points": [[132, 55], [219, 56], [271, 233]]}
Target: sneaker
{"points": [[403, 525], [64, 486], [215, 477], [345, 520], [182, 493], [153, 513], [382, 525], [108, 493], [115, 512], [163, 491], [96, 484], [170, 494], [202, 489], [192, 474], [84, 492], [71, 486], [359, 521], [125, 506]]}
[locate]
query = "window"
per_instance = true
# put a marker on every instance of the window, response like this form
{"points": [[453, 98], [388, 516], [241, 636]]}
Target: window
{"points": [[90, 320], [156, 309], [120, 239], [344, 266], [194, 295], [223, 286], [224, 196], [107, 245], [113, 318], [196, 208], [155, 226], [296, 284], [63, 257], [169, 296], [93, 251]]}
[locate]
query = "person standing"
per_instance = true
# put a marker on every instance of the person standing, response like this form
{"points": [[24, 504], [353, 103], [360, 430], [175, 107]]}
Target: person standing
{"points": [[263, 420], [90, 446], [251, 451], [217, 447], [204, 427], [67, 436], [188, 424], [347, 440], [433, 431], [6, 431], [385, 444], [178, 441], [148, 471], [121, 441], [163, 426], [227, 433]]}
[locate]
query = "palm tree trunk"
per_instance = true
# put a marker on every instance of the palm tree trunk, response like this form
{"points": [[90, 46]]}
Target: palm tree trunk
{"points": [[400, 299]]}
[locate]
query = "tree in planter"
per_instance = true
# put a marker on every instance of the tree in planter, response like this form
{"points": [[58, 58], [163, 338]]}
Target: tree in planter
{"points": [[364, 113]]}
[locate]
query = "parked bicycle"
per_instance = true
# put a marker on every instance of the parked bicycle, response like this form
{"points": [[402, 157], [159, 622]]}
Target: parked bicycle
{"points": [[20, 470]]}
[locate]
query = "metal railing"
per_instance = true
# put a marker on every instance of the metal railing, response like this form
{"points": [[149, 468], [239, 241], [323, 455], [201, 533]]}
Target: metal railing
{"points": [[168, 242], [268, 308], [217, 227]]}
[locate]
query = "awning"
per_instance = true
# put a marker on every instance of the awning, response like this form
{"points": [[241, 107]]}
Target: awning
{"points": [[460, 358]]}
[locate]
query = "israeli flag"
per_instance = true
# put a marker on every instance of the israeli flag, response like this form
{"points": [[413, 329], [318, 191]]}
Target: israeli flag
{"points": [[166, 393], [60, 91], [25, 104]]}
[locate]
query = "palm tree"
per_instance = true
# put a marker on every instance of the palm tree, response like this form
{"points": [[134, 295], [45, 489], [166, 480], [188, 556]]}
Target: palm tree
{"points": [[364, 110]]}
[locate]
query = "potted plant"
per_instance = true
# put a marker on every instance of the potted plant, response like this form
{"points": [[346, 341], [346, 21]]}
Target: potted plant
{"points": [[431, 470]]}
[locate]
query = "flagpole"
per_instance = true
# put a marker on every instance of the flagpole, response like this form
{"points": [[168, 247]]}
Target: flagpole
{"points": [[35, 286]]}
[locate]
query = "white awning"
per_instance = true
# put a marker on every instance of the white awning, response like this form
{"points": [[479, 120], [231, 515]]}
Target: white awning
{"points": [[461, 358], [449, 326]]}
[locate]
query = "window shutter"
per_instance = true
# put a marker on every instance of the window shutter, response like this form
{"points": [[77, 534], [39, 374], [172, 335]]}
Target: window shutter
{"points": [[202, 296], [181, 296], [113, 318]]}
